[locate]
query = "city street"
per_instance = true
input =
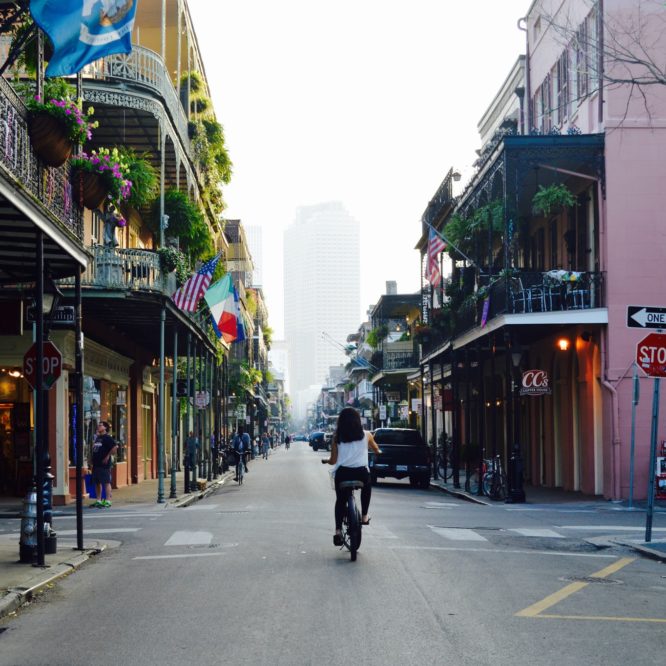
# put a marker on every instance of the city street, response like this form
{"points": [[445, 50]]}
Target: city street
{"points": [[249, 575]]}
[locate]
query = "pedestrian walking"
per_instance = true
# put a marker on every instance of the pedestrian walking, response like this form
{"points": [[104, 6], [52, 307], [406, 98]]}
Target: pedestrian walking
{"points": [[265, 445], [192, 447]]}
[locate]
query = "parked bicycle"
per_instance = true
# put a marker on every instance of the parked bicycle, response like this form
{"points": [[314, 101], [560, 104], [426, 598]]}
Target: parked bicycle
{"points": [[473, 477], [494, 480], [443, 463], [351, 519]]}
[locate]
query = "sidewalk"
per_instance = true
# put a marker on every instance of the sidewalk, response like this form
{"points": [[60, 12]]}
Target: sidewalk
{"points": [[537, 495], [20, 582]]}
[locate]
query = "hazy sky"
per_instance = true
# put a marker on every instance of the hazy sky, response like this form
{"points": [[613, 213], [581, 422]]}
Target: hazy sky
{"points": [[368, 102]]}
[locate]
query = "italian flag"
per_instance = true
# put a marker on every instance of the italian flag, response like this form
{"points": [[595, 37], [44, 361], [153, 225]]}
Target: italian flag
{"points": [[220, 299]]}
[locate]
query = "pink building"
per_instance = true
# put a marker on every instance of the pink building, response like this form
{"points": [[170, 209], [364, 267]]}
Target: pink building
{"points": [[561, 227]]}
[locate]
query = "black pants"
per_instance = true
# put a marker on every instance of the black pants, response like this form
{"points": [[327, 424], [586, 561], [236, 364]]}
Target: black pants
{"points": [[351, 474]]}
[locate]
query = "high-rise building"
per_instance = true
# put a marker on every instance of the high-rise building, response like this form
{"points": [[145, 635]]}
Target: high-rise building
{"points": [[321, 290], [255, 241]]}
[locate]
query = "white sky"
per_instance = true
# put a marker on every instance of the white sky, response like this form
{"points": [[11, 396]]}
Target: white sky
{"points": [[368, 102]]}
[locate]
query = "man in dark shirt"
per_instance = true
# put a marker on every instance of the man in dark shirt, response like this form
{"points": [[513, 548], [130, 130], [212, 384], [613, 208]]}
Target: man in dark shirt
{"points": [[103, 448]]}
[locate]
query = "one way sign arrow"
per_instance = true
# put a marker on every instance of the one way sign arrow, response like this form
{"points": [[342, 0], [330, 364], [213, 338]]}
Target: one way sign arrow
{"points": [[646, 316]]}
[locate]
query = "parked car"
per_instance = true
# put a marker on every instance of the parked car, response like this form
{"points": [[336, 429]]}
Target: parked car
{"points": [[404, 454], [318, 441]]}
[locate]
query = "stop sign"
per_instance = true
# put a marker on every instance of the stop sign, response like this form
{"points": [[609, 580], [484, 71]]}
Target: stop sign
{"points": [[52, 365], [651, 354]]}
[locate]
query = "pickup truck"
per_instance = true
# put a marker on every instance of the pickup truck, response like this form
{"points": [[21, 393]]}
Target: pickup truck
{"points": [[404, 454]]}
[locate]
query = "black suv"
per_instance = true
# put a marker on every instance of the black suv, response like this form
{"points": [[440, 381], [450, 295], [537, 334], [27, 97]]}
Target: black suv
{"points": [[404, 454], [318, 440]]}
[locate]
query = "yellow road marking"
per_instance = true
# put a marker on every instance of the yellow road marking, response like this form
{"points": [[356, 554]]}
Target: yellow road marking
{"points": [[535, 609], [602, 617]]}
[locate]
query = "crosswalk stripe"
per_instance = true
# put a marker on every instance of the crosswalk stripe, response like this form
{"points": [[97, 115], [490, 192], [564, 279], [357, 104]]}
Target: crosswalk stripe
{"points": [[457, 533], [201, 507], [532, 532], [185, 538], [107, 530]]}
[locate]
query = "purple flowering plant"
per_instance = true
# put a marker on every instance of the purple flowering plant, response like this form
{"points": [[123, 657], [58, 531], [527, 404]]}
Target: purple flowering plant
{"points": [[111, 166], [79, 124]]}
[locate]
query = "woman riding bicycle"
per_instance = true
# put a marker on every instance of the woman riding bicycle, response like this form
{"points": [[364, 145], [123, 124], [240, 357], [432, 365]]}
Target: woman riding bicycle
{"points": [[349, 457]]}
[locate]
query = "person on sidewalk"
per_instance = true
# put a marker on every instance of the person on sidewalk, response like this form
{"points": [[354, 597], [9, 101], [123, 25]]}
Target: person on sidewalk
{"points": [[103, 448], [192, 447], [265, 445], [349, 457]]}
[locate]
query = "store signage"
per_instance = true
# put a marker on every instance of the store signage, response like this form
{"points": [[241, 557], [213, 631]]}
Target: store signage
{"points": [[64, 315], [201, 399], [382, 412], [535, 382], [392, 396], [651, 354]]}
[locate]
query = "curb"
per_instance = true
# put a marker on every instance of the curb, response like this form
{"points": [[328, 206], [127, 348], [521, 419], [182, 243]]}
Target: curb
{"points": [[460, 494], [18, 596], [642, 548], [191, 498]]}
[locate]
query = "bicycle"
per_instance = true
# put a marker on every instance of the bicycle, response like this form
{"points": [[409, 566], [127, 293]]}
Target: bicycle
{"points": [[351, 519], [240, 468], [473, 479], [494, 480], [443, 463]]}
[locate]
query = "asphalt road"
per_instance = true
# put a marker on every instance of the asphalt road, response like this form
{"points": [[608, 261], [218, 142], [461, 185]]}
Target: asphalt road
{"points": [[250, 576]]}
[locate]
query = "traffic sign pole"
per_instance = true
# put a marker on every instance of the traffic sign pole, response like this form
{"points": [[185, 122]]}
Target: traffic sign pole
{"points": [[634, 403], [653, 461]]}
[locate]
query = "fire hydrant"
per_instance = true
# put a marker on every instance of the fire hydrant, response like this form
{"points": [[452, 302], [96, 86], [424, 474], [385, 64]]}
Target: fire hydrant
{"points": [[28, 539]]}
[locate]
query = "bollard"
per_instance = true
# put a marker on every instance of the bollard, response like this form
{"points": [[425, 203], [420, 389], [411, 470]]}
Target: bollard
{"points": [[28, 538], [516, 494]]}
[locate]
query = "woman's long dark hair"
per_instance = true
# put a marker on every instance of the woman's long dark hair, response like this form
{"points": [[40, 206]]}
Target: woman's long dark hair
{"points": [[349, 428]]}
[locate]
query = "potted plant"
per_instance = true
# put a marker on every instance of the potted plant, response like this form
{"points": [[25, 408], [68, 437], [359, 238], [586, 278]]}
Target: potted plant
{"points": [[550, 198], [98, 175], [143, 176], [56, 123]]}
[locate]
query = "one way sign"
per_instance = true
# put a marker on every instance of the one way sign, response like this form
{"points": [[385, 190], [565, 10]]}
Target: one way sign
{"points": [[646, 316]]}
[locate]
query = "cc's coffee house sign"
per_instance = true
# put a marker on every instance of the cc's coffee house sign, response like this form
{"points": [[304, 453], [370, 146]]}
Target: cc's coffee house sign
{"points": [[535, 382]]}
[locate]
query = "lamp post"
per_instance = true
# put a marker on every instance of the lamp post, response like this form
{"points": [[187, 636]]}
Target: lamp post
{"points": [[516, 492]]}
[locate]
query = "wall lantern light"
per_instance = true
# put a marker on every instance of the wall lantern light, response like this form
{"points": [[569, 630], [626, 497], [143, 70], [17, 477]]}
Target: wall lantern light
{"points": [[563, 344]]}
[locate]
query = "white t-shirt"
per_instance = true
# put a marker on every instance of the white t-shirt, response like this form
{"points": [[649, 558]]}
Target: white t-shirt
{"points": [[353, 454]]}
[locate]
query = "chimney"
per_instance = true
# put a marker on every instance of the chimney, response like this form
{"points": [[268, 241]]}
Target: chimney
{"points": [[391, 287]]}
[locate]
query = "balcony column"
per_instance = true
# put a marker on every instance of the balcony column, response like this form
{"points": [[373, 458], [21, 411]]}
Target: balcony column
{"points": [[433, 420], [174, 416], [455, 388], [160, 414], [163, 46], [482, 411]]}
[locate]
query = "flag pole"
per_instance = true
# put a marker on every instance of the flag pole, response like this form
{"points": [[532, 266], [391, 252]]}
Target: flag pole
{"points": [[457, 249]]}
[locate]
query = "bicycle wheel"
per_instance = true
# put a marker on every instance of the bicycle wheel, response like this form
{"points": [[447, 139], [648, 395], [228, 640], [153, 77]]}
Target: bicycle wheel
{"points": [[239, 473], [498, 487], [354, 527], [488, 483], [472, 483]]}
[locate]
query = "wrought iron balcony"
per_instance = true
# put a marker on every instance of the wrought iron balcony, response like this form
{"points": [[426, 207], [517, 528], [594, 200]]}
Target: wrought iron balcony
{"points": [[49, 187], [124, 269], [145, 68]]}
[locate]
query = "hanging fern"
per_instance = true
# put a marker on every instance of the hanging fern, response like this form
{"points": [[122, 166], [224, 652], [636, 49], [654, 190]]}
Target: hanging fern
{"points": [[551, 198]]}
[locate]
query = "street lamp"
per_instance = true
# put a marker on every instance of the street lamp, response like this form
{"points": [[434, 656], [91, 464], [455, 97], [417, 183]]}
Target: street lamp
{"points": [[516, 492]]}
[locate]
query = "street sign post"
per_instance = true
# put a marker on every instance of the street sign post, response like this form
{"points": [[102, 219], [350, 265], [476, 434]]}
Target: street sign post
{"points": [[651, 356], [646, 316], [52, 365]]}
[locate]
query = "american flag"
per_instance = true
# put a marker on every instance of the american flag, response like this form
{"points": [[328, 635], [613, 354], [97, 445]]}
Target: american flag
{"points": [[188, 296], [435, 245]]}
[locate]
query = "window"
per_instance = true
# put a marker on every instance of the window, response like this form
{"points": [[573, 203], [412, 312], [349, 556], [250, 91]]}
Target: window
{"points": [[581, 60], [562, 84], [592, 30], [546, 107]]}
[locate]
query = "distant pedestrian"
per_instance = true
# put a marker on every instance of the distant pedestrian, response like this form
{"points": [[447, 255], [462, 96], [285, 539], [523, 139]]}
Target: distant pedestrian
{"points": [[265, 445], [103, 448], [192, 447]]}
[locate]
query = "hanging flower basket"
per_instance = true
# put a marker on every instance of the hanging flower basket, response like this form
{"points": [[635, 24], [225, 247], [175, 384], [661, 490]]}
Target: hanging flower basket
{"points": [[88, 188], [50, 138]]}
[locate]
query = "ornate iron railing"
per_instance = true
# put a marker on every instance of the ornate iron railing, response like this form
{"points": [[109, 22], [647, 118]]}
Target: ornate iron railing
{"points": [[396, 360], [49, 187], [125, 269], [144, 67]]}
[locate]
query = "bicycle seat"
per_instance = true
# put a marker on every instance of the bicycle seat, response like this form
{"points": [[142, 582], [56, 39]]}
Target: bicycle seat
{"points": [[351, 484]]}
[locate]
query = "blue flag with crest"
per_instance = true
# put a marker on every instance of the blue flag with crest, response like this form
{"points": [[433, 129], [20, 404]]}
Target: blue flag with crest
{"points": [[83, 31]]}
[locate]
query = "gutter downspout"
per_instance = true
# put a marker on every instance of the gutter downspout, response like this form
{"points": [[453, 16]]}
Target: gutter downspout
{"points": [[616, 440]]}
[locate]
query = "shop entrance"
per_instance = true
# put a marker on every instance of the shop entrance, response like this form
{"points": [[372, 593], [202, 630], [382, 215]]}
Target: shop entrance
{"points": [[146, 439], [15, 455]]}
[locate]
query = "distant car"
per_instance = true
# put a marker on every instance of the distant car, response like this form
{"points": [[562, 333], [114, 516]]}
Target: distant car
{"points": [[301, 437], [318, 441]]}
